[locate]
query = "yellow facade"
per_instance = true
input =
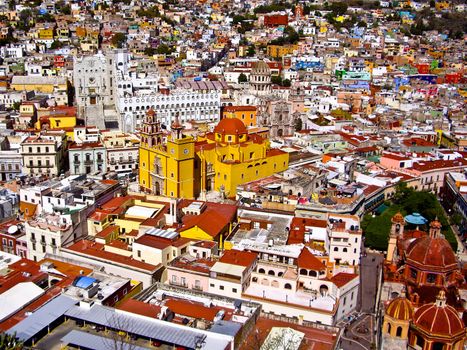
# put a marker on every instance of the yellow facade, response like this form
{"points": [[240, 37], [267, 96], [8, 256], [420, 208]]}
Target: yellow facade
{"points": [[46, 33], [278, 51], [224, 160], [246, 114], [166, 168], [53, 84]]}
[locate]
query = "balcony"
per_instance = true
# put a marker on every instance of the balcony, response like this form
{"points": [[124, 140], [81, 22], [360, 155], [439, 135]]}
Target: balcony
{"points": [[77, 162], [199, 288], [43, 243], [178, 284], [88, 162], [100, 160], [41, 166]]}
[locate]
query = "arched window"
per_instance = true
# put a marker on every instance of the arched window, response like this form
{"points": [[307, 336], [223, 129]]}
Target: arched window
{"points": [[271, 273], [303, 272], [399, 332], [389, 328], [438, 346], [344, 250], [336, 249], [261, 270], [255, 279], [312, 273], [287, 286]]}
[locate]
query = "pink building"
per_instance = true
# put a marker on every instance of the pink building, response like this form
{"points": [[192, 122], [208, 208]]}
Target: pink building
{"points": [[191, 270]]}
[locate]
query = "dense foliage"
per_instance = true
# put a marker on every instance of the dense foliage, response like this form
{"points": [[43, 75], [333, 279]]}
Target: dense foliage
{"points": [[407, 201]]}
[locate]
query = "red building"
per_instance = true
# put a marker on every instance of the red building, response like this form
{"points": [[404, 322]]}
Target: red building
{"points": [[59, 61], [276, 20]]}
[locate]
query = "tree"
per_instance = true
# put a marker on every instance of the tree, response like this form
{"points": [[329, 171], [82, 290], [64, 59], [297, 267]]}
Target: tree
{"points": [[286, 83], [56, 45], [118, 40], [66, 10], [432, 3], [242, 78], [10, 342], [251, 51], [15, 107]]}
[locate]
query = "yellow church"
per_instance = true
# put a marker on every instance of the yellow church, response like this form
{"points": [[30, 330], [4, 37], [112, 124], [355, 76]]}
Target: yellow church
{"points": [[183, 167]]}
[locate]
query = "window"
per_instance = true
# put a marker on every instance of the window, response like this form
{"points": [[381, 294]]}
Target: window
{"points": [[413, 273], [287, 286], [431, 278], [174, 278], [336, 249], [139, 253], [234, 290], [399, 332], [211, 285], [221, 287], [389, 328]]}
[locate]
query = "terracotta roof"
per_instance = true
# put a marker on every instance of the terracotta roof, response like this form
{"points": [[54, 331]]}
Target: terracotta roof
{"points": [[307, 260], [154, 242], [212, 220], [341, 279], [431, 252], [108, 231], [425, 165], [191, 309], [400, 309], [238, 257], [239, 108], [96, 250], [439, 319], [140, 308], [230, 126]]}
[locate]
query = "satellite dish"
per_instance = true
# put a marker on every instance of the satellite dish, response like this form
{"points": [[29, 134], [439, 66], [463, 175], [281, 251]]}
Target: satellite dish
{"points": [[12, 229]]}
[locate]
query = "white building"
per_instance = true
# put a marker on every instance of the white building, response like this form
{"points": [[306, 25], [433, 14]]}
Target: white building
{"points": [[93, 78]]}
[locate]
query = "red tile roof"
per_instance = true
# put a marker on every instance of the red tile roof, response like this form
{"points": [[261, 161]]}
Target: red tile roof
{"points": [[212, 220], [341, 279], [96, 250], [191, 309], [307, 260], [238, 257]]}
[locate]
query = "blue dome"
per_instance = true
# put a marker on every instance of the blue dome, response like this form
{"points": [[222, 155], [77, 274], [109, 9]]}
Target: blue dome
{"points": [[415, 219]]}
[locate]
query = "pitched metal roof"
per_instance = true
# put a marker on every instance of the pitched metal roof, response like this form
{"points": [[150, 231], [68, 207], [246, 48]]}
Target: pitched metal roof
{"points": [[42, 318], [150, 328], [96, 342]]}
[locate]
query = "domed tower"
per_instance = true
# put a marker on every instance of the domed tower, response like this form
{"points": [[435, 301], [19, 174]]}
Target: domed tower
{"points": [[230, 130], [260, 78], [151, 133], [437, 326], [397, 232], [396, 323], [430, 260]]}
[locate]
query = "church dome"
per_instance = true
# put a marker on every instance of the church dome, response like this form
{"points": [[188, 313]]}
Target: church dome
{"points": [[439, 318], [400, 309], [431, 252], [261, 68], [398, 218], [230, 126]]}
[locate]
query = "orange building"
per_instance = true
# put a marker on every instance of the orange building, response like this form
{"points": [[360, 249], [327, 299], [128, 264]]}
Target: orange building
{"points": [[246, 114]]}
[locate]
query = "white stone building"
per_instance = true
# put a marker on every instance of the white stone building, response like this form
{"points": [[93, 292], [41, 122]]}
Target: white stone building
{"points": [[94, 81]]}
